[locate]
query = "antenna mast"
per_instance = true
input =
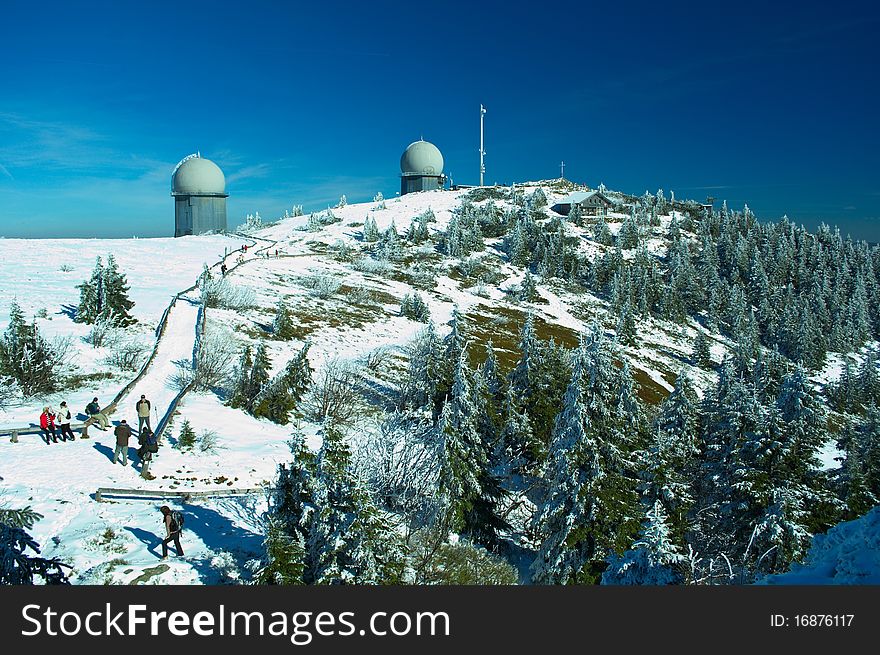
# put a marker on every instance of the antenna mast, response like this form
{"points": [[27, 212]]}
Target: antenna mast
{"points": [[482, 152], [562, 170]]}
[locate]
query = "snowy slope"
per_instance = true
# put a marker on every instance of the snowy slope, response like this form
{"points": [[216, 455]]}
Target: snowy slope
{"points": [[848, 554]]}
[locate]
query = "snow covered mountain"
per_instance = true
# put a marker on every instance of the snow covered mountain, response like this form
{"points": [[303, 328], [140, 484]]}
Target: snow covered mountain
{"points": [[344, 276]]}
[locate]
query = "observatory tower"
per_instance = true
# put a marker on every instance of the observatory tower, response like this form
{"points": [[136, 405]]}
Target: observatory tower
{"points": [[421, 168], [199, 190]]}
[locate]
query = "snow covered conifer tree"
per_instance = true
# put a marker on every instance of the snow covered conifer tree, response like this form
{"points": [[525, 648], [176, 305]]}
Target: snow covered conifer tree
{"points": [[257, 376], [516, 437], [671, 459], [371, 232], [240, 394], [528, 290], [348, 542], [291, 510], [463, 457], [454, 345], [282, 325], [91, 295], [588, 507], [654, 558], [115, 304], [26, 356], [701, 354], [423, 376]]}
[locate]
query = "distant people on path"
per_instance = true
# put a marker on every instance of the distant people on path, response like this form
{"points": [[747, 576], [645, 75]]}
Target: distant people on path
{"points": [[149, 445], [172, 522], [64, 415], [93, 409], [123, 434], [276, 252], [143, 411], [223, 269], [47, 424], [240, 259]]}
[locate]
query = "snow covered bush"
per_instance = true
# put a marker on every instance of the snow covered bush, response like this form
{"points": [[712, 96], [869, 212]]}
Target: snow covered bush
{"points": [[222, 293], [334, 396], [207, 442], [433, 560], [361, 296], [102, 333], [215, 357], [371, 265], [377, 359], [127, 355], [226, 567], [398, 461], [413, 306], [323, 286]]}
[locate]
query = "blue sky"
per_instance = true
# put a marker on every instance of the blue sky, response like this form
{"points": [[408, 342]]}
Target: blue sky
{"points": [[302, 102]]}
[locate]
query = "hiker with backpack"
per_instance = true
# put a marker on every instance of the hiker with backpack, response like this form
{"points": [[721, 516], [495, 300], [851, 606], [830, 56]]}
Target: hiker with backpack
{"points": [[47, 425], [173, 521], [64, 417], [149, 445], [143, 411]]}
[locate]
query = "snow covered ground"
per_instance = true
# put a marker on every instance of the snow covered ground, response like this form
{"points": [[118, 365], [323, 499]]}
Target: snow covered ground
{"points": [[848, 554]]}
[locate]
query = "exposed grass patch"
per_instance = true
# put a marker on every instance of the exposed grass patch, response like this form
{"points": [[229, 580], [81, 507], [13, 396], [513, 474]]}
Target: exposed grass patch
{"points": [[503, 325], [150, 573]]}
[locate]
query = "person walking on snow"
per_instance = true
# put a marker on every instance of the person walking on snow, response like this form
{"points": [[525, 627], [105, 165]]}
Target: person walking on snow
{"points": [[149, 445], [172, 531], [64, 417], [93, 409], [47, 424], [123, 434], [143, 411]]}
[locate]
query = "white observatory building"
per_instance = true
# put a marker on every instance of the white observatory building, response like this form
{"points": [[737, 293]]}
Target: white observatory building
{"points": [[421, 168], [198, 187]]}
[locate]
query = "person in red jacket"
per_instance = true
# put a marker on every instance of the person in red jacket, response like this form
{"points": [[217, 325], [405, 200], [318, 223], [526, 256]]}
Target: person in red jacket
{"points": [[47, 423]]}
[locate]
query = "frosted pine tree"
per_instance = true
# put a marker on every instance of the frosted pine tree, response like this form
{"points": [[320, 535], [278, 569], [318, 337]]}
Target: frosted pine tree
{"points": [[654, 559], [91, 295], [371, 232], [528, 290], [515, 440], [348, 542], [670, 461], [453, 345], [27, 357], [700, 353], [423, 375], [589, 501], [241, 392], [291, 511], [463, 457], [523, 378], [116, 303], [282, 325]]}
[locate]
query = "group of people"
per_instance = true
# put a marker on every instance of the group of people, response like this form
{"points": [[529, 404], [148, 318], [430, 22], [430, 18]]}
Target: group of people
{"points": [[55, 424]]}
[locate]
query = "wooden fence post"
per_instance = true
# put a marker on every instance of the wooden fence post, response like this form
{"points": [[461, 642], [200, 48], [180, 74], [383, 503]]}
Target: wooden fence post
{"points": [[14, 438]]}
